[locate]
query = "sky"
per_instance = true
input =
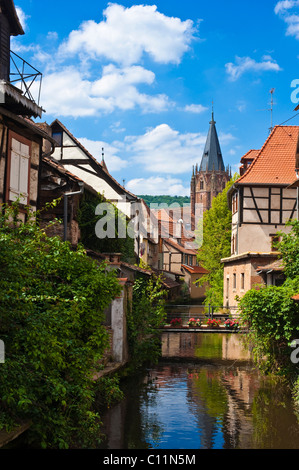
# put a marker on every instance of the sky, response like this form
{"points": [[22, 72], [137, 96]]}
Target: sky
{"points": [[140, 79]]}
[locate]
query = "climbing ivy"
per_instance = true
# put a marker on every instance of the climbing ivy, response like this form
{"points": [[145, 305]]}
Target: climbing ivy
{"points": [[88, 221], [145, 315]]}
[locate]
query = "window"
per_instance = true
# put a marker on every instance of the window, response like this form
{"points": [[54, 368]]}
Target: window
{"points": [[242, 281], [58, 137], [274, 240], [201, 184], [190, 260], [234, 281], [18, 168], [235, 203], [227, 287]]}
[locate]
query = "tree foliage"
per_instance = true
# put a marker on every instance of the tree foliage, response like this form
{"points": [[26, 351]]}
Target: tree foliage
{"points": [[52, 301], [272, 318], [145, 316], [214, 239], [289, 249]]}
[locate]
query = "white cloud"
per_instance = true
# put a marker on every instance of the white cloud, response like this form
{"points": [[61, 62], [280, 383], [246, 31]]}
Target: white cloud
{"points": [[126, 34], [246, 64], [282, 9], [113, 161], [68, 93], [285, 5], [164, 150], [195, 108], [156, 185], [22, 17]]}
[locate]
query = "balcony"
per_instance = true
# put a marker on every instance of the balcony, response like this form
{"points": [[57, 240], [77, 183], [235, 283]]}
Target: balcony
{"points": [[21, 94]]}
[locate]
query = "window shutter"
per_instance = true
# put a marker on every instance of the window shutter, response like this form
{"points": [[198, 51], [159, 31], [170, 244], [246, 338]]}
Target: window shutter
{"points": [[14, 176], [19, 171]]}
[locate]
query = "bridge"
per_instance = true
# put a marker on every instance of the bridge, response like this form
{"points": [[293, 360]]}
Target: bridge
{"points": [[207, 319]]}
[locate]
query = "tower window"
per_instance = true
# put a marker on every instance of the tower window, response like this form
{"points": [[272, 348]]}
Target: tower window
{"points": [[201, 184]]}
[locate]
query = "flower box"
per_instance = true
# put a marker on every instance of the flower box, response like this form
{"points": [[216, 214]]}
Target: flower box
{"points": [[213, 323], [176, 323], [192, 323]]}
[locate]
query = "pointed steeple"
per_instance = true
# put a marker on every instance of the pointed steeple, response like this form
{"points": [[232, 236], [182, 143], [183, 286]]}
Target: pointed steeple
{"points": [[212, 156]]}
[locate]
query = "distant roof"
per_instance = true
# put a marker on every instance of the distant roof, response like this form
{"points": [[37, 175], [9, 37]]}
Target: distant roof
{"points": [[275, 162], [195, 269], [250, 155], [275, 266], [212, 156]]}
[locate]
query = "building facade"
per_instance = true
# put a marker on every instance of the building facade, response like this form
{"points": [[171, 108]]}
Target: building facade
{"points": [[262, 200]]}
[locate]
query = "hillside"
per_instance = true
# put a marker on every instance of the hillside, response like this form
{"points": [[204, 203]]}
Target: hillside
{"points": [[181, 200]]}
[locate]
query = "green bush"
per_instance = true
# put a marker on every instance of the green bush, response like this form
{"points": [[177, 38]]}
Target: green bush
{"points": [[273, 320], [52, 301]]}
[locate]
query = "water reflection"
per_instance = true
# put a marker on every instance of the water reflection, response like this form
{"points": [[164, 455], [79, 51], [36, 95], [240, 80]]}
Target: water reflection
{"points": [[199, 404]]}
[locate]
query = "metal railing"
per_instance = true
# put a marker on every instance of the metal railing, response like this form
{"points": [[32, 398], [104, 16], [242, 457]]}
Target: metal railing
{"points": [[201, 312], [23, 76]]}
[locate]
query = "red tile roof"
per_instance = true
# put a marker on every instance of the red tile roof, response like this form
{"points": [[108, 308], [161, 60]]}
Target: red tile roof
{"points": [[195, 269], [275, 162]]}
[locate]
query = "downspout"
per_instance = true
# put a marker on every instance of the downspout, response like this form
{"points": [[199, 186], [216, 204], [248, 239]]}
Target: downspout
{"points": [[65, 201]]}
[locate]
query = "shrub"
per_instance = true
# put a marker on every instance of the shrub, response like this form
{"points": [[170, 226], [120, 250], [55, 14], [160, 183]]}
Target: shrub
{"points": [[52, 301]]}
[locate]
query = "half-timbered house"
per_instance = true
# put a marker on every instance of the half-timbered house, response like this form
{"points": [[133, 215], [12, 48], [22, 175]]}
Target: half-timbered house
{"points": [[262, 201], [78, 160]]}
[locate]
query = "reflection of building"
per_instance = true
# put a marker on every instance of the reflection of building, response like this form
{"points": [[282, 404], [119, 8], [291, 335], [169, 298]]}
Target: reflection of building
{"points": [[262, 201]]}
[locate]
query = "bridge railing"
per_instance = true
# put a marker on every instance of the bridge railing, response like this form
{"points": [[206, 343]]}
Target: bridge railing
{"points": [[201, 312]]}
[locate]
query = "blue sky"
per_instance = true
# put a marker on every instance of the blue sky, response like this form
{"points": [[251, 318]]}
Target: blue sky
{"points": [[139, 79]]}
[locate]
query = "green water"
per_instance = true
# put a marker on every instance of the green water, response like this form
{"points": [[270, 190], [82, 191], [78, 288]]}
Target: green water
{"points": [[204, 394]]}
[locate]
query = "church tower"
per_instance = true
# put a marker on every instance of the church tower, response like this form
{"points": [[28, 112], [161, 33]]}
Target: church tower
{"points": [[211, 177]]}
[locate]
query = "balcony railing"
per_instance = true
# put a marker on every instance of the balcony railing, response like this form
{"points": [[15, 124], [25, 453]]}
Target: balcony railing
{"points": [[26, 78]]}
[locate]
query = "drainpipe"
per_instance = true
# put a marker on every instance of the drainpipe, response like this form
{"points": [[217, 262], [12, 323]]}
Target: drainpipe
{"points": [[65, 201]]}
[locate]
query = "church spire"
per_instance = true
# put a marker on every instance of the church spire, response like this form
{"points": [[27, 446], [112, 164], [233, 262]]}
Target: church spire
{"points": [[212, 156]]}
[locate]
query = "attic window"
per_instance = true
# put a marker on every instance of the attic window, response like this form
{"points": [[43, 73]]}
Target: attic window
{"points": [[57, 136]]}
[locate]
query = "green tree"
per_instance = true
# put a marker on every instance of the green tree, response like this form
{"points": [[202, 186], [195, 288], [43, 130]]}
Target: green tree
{"points": [[213, 237], [52, 303], [289, 249]]}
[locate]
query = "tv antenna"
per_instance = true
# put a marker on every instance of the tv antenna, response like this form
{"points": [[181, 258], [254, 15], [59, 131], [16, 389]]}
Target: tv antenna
{"points": [[270, 109]]}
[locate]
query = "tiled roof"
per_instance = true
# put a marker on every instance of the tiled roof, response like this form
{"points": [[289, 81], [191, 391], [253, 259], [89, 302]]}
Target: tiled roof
{"points": [[275, 266], [195, 269], [275, 162]]}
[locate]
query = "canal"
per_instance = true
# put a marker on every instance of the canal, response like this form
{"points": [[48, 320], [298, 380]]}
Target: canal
{"points": [[205, 393]]}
